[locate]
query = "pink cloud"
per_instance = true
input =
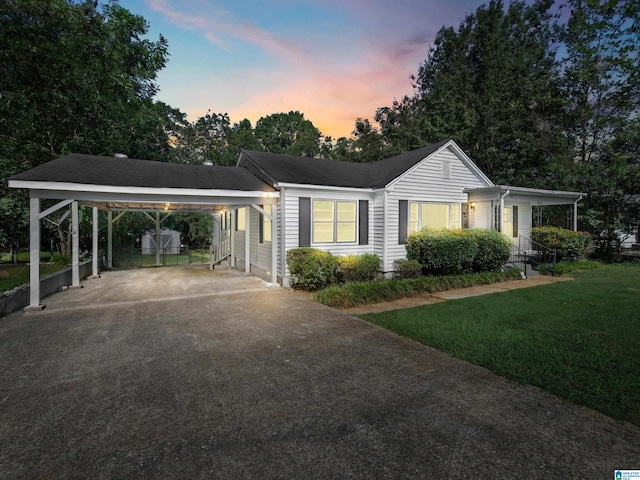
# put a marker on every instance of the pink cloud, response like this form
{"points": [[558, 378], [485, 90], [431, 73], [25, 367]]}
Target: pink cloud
{"points": [[332, 74]]}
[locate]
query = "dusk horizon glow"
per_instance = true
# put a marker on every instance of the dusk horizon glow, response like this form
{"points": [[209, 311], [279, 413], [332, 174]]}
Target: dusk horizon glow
{"points": [[334, 61]]}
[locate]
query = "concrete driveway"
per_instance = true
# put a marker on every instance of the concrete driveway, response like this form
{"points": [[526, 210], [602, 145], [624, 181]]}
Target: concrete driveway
{"points": [[218, 376]]}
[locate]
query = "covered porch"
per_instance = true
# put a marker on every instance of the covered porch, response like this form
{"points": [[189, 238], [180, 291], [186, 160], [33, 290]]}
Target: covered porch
{"points": [[509, 209]]}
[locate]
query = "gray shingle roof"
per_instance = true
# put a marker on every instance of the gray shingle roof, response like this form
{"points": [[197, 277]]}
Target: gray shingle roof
{"points": [[277, 168], [130, 172]]}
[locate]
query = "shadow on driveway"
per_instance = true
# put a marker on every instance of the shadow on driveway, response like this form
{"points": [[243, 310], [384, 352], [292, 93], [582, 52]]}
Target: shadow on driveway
{"points": [[242, 381]]}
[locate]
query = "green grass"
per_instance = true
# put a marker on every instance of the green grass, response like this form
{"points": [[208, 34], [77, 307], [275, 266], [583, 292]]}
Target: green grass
{"points": [[578, 339], [565, 268], [23, 257], [14, 276]]}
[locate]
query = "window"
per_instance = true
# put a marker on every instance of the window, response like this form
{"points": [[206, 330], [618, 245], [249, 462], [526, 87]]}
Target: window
{"points": [[510, 221], [433, 215], [334, 221], [265, 227], [241, 219]]}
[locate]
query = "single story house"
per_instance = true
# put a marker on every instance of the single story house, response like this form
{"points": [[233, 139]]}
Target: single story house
{"points": [[269, 203]]}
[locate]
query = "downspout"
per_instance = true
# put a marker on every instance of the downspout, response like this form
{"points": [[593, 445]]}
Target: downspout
{"points": [[575, 214], [502, 210]]}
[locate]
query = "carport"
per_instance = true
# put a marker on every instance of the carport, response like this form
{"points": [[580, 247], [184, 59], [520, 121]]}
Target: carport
{"points": [[118, 185]]}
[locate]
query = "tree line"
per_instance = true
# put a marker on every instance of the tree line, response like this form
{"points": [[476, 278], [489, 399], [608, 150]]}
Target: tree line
{"points": [[542, 95]]}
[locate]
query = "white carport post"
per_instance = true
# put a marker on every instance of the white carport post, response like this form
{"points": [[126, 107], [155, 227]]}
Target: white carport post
{"points": [[157, 239], [75, 246], [233, 214], [34, 255], [94, 256], [109, 239], [247, 240], [274, 244], [575, 214]]}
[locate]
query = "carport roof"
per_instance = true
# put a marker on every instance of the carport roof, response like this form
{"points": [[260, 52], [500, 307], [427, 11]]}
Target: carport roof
{"points": [[129, 172]]}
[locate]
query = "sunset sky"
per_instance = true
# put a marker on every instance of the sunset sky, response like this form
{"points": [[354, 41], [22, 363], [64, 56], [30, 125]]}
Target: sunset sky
{"points": [[333, 60]]}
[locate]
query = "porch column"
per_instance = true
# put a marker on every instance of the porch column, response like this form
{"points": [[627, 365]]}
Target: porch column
{"points": [[34, 256], [94, 256], [75, 246], [109, 239], [157, 239], [247, 240], [575, 214], [233, 214]]}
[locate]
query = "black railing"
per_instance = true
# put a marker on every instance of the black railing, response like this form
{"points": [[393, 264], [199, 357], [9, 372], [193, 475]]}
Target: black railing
{"points": [[530, 254]]}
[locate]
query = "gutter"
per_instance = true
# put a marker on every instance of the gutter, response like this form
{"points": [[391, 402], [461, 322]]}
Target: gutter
{"points": [[501, 199], [575, 214]]}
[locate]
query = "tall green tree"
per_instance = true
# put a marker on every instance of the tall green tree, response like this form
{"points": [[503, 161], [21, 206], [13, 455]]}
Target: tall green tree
{"points": [[490, 85], [74, 78], [601, 72], [288, 133]]}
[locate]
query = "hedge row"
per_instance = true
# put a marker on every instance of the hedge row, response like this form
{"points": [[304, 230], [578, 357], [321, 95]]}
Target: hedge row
{"points": [[451, 252], [568, 244], [315, 269], [359, 293]]}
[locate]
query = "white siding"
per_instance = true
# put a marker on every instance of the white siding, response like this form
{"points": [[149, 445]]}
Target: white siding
{"points": [[524, 218], [260, 252], [376, 229], [425, 183], [291, 220]]}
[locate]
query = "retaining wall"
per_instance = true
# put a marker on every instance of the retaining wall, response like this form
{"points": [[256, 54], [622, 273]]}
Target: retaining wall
{"points": [[19, 297]]}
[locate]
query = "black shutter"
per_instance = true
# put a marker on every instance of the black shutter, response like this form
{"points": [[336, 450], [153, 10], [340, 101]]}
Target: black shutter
{"points": [[514, 217], [304, 222], [261, 225], [404, 220], [363, 222]]}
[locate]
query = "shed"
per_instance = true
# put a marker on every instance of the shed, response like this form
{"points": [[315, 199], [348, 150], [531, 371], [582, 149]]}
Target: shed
{"points": [[169, 241]]}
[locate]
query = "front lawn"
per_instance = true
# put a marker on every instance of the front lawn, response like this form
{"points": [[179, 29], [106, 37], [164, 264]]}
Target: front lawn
{"points": [[577, 339]]}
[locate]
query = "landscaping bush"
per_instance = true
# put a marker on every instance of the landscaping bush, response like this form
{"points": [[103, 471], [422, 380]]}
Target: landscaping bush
{"points": [[442, 251], [493, 251], [568, 244], [407, 268], [358, 268], [359, 293], [313, 268]]}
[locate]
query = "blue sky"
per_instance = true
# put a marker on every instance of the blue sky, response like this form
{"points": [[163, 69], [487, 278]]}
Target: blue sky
{"points": [[333, 60]]}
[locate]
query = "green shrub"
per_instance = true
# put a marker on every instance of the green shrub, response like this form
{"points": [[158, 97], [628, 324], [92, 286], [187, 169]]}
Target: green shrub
{"points": [[568, 244], [359, 293], [493, 251], [358, 268], [442, 251], [407, 268], [313, 268]]}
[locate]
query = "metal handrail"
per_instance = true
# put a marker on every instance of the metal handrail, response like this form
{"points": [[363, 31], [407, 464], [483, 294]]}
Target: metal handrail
{"points": [[547, 253]]}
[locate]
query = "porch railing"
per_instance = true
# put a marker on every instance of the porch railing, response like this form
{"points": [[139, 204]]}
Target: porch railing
{"points": [[528, 254], [219, 252]]}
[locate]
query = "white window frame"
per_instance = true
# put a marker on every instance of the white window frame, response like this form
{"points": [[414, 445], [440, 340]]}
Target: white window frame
{"points": [[335, 221], [241, 222], [266, 224], [455, 215]]}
